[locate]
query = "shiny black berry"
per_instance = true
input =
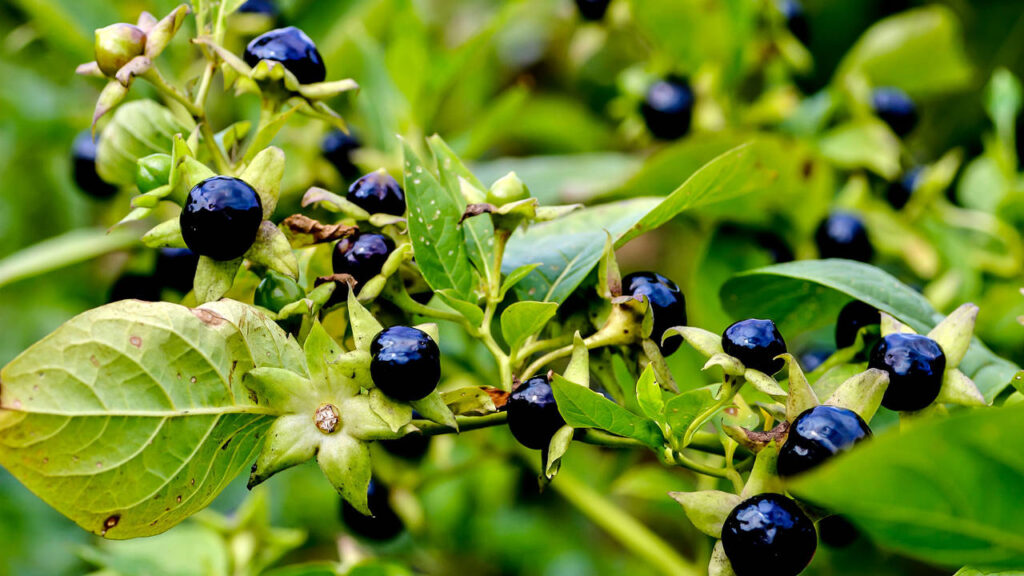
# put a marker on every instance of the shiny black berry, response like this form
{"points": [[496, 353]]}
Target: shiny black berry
{"points": [[83, 166], [405, 363], [816, 435], [852, 318], [668, 108], [796, 19], [384, 524], [592, 10], [135, 287], [291, 47], [667, 304], [533, 416], [409, 447], [768, 534], [176, 268], [266, 7], [843, 235], [898, 193], [916, 365], [378, 193], [337, 148], [756, 343], [221, 217], [895, 108], [361, 256], [837, 532]]}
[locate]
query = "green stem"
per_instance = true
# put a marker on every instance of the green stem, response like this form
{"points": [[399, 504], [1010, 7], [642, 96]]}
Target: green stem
{"points": [[531, 348], [399, 297], [598, 339], [626, 529], [725, 473], [154, 77], [725, 396], [466, 423]]}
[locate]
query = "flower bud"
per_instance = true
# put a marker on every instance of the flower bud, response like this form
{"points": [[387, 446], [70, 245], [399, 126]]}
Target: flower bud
{"points": [[117, 44]]}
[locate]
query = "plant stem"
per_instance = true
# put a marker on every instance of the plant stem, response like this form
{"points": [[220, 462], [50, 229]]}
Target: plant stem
{"points": [[596, 340], [154, 77], [725, 395], [531, 348], [399, 297], [466, 423], [626, 529], [726, 473]]}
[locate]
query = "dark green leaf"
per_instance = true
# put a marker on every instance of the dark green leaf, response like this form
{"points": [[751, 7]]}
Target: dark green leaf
{"points": [[583, 408], [944, 492]]}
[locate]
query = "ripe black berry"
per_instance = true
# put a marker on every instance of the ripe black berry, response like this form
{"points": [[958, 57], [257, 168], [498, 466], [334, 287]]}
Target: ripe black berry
{"points": [[592, 10], [266, 7], [221, 217], [818, 434], [837, 532], [852, 318], [337, 148], [895, 108], [361, 256], [378, 193], [176, 268], [843, 235], [768, 534], [916, 365], [384, 524], [756, 343], [83, 165], [898, 193], [292, 48], [667, 304], [668, 108], [406, 363], [796, 19], [409, 447], [533, 416]]}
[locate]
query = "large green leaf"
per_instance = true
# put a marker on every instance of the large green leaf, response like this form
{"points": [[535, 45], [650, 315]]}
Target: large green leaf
{"points": [[132, 416], [947, 491], [568, 178], [524, 319], [437, 239], [568, 248], [918, 50], [583, 408], [809, 294], [138, 129]]}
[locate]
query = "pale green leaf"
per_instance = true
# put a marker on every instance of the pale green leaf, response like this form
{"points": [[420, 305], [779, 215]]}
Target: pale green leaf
{"points": [[584, 408], [524, 319]]}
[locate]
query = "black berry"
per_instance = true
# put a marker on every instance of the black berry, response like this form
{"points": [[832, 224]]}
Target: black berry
{"points": [[843, 235], [852, 318], [796, 19], [409, 447], [756, 343], [667, 304], [916, 365], [361, 256], [83, 167], [533, 416], [837, 532], [895, 108], [135, 287], [292, 48], [592, 10], [221, 217], [668, 108], [818, 434], [266, 7], [768, 534], [898, 193], [811, 359], [337, 148], [176, 268], [378, 193], [406, 363], [384, 524]]}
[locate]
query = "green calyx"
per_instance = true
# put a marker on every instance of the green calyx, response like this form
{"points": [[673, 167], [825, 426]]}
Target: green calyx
{"points": [[509, 188]]}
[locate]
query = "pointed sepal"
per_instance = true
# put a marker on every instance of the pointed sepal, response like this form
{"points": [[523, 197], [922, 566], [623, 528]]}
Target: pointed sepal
{"points": [[346, 463], [763, 477], [707, 509], [954, 333], [800, 396], [763, 383], [395, 414], [264, 174], [890, 325], [719, 564], [578, 370], [272, 249], [730, 365], [166, 234], [703, 341], [557, 448], [364, 326], [214, 278], [957, 388], [281, 390], [434, 409], [290, 441], [861, 393]]}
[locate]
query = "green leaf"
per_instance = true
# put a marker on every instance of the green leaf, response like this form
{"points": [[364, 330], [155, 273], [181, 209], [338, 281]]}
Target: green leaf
{"points": [[557, 448], [524, 319], [573, 177], [648, 396], [214, 278], [683, 409], [64, 250], [865, 143], [514, 277], [804, 295], [146, 391], [568, 249], [364, 326], [945, 491], [434, 409], [920, 51], [437, 239], [584, 408], [469, 311], [734, 174], [138, 129], [395, 414], [207, 555]]}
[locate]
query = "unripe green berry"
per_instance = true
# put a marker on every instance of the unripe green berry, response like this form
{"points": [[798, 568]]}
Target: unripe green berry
{"points": [[509, 188], [116, 45], [152, 172]]}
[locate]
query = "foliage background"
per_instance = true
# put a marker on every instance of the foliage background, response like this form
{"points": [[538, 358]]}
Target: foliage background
{"points": [[503, 83]]}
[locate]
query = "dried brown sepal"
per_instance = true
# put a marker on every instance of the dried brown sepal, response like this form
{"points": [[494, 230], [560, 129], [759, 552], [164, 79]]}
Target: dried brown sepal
{"points": [[305, 231], [476, 210]]}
